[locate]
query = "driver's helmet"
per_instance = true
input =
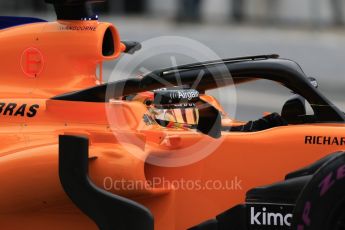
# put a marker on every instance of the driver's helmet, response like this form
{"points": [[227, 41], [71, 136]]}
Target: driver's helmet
{"points": [[172, 107]]}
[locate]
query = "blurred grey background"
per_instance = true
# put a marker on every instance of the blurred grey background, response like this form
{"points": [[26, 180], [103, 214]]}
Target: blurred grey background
{"points": [[311, 32]]}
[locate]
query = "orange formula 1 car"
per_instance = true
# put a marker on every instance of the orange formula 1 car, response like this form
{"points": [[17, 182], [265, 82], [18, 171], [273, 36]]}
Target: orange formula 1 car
{"points": [[76, 153]]}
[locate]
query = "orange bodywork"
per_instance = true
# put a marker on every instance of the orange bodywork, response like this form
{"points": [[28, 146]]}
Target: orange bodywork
{"points": [[42, 60], [120, 141]]}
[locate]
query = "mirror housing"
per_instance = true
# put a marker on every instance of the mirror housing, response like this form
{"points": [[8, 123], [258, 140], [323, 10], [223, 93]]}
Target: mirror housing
{"points": [[294, 109]]}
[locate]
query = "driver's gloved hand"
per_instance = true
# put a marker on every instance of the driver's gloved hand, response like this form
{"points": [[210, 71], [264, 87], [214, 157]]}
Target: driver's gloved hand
{"points": [[270, 121]]}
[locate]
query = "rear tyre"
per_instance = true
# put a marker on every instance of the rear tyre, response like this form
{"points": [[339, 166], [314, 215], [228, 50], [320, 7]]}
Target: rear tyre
{"points": [[321, 205]]}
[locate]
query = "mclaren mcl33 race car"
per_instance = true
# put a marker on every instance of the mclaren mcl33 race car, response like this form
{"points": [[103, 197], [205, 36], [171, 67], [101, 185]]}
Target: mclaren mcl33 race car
{"points": [[66, 138]]}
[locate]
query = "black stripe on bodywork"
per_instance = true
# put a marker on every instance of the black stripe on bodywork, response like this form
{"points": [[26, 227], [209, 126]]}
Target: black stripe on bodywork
{"points": [[107, 210]]}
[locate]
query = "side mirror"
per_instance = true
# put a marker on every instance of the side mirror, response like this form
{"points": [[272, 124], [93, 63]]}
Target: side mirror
{"points": [[294, 109], [131, 46]]}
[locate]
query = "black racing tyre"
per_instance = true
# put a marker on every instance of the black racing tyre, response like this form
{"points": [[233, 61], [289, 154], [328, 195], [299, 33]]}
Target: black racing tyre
{"points": [[321, 205]]}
